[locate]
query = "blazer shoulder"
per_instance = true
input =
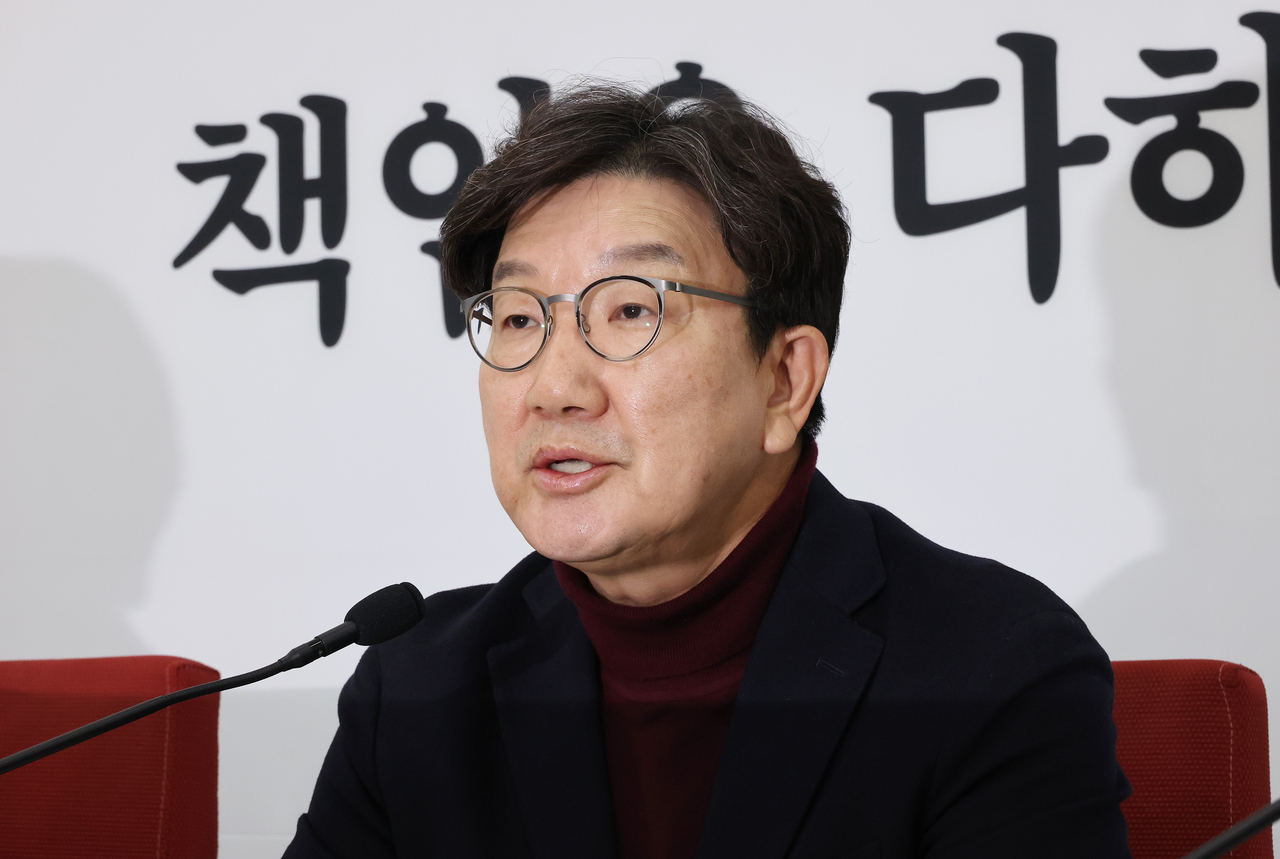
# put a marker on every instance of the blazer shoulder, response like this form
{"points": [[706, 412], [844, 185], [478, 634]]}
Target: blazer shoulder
{"points": [[924, 598], [959, 620], [942, 577]]}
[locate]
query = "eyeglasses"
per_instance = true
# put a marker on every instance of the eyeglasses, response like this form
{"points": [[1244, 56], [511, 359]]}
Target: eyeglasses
{"points": [[619, 318]]}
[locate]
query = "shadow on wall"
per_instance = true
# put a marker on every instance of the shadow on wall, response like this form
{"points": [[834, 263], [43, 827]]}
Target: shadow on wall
{"points": [[1196, 372], [88, 471], [88, 463]]}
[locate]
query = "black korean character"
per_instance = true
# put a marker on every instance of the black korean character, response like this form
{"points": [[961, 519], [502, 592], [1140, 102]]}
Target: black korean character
{"points": [[329, 187], [1267, 25], [1146, 180], [1043, 157], [408, 198], [295, 188], [691, 84], [242, 173], [528, 93], [330, 275]]}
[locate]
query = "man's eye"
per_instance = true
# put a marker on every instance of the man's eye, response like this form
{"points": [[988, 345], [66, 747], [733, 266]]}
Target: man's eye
{"points": [[629, 312], [518, 322]]}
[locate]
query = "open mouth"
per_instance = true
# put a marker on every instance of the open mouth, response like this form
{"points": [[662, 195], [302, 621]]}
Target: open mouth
{"points": [[570, 466]]}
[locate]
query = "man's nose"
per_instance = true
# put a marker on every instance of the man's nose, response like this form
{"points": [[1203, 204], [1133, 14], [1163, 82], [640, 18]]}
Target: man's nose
{"points": [[566, 381]]}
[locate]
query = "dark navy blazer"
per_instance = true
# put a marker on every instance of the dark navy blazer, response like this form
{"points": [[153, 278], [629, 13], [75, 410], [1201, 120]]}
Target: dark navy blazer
{"points": [[900, 700]]}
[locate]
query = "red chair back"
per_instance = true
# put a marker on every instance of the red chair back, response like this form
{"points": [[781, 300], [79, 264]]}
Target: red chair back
{"points": [[1192, 738], [148, 789]]}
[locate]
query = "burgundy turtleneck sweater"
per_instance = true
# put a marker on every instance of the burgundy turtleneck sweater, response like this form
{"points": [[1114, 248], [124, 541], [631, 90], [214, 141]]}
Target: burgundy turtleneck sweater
{"points": [[670, 674]]}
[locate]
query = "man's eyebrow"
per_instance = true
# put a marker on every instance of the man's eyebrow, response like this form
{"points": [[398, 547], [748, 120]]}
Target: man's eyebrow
{"points": [[513, 268], [649, 252]]}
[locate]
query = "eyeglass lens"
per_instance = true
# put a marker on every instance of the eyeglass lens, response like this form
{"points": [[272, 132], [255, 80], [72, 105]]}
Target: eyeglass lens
{"points": [[507, 327], [619, 320]]}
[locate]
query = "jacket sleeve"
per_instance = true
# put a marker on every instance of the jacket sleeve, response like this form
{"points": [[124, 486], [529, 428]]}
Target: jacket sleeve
{"points": [[347, 817], [1030, 767]]}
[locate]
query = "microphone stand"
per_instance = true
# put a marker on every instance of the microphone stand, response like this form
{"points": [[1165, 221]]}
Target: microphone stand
{"points": [[1237, 834], [322, 645], [124, 717]]}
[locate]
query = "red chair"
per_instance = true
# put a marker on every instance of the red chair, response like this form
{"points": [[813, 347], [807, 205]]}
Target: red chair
{"points": [[1192, 738], [148, 789]]}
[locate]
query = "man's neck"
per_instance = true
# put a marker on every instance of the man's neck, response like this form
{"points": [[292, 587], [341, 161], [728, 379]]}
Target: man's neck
{"points": [[656, 583]]}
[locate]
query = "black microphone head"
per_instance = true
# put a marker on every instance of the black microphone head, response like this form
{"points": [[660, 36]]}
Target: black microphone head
{"points": [[386, 613]]}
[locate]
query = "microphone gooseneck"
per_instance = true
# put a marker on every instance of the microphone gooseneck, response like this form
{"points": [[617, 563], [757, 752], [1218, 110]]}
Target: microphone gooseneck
{"points": [[379, 617], [1238, 834]]}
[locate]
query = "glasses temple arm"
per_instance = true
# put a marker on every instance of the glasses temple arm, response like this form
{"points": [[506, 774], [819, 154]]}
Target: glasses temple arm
{"points": [[707, 293]]}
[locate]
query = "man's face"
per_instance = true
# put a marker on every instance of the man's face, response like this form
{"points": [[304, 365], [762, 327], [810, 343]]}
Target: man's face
{"points": [[653, 462]]}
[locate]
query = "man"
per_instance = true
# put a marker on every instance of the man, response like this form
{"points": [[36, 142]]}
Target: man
{"points": [[712, 652]]}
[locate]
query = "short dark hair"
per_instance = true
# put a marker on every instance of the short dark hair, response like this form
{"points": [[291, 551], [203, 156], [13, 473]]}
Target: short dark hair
{"points": [[782, 223]]}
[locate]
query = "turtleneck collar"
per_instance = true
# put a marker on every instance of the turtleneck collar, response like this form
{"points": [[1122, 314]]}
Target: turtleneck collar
{"points": [[713, 622]]}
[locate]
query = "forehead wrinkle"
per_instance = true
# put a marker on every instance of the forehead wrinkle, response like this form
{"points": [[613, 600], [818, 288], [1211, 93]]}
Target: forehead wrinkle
{"points": [[646, 252], [513, 268]]}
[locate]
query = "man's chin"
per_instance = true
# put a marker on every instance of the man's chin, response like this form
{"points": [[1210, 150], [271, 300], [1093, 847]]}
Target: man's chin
{"points": [[575, 548]]}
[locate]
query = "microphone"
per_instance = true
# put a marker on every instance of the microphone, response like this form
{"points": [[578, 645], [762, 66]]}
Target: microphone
{"points": [[379, 617]]}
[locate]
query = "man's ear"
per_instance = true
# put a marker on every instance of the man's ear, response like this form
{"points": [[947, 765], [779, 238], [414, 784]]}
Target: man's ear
{"points": [[797, 360]]}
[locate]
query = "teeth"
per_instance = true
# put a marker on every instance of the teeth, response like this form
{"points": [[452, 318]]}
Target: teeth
{"points": [[571, 466]]}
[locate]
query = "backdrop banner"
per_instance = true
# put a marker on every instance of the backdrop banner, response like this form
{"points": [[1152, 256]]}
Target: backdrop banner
{"points": [[234, 399]]}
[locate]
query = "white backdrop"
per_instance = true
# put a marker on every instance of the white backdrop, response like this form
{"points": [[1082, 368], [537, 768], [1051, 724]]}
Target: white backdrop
{"points": [[190, 471]]}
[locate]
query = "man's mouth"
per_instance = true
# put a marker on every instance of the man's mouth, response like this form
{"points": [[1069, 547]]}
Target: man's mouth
{"points": [[570, 466]]}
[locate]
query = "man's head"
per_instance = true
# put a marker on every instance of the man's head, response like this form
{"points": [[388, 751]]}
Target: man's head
{"points": [[664, 461], [781, 223]]}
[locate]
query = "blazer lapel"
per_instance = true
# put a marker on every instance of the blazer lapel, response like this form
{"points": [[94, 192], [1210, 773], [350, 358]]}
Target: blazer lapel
{"points": [[547, 690], [807, 670]]}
